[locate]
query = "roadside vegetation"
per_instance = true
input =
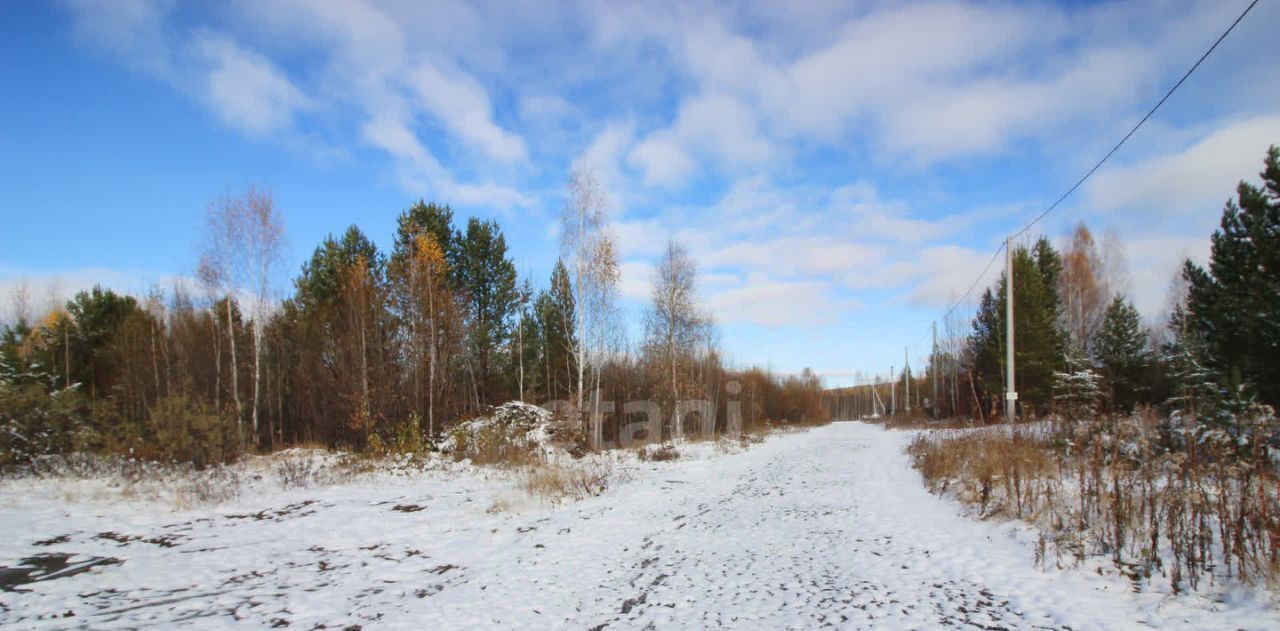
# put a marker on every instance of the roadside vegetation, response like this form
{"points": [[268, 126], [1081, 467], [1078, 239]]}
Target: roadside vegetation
{"points": [[1157, 447]]}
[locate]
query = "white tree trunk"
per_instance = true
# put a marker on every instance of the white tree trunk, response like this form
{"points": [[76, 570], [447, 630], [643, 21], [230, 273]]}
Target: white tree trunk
{"points": [[235, 379]]}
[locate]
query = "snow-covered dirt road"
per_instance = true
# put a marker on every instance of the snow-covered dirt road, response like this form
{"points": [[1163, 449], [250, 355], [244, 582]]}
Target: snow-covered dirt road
{"points": [[823, 528]]}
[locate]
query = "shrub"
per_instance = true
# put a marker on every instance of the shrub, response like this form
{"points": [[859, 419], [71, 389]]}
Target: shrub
{"points": [[1177, 497], [658, 453], [513, 433], [187, 430], [35, 421], [556, 482]]}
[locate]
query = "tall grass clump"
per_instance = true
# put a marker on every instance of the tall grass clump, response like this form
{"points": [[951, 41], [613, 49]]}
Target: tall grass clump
{"points": [[1167, 499]]}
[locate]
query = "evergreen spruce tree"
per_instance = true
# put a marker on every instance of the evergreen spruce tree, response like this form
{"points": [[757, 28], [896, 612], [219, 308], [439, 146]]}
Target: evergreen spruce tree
{"points": [[1038, 343], [986, 345], [1121, 347], [529, 349], [1076, 391], [1234, 306]]}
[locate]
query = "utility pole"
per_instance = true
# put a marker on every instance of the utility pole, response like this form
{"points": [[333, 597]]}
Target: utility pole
{"points": [[906, 377], [1011, 390], [893, 390], [933, 368]]}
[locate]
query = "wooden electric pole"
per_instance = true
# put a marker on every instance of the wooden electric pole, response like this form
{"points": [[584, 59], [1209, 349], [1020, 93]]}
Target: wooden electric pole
{"points": [[933, 368], [1011, 390], [906, 378], [893, 391]]}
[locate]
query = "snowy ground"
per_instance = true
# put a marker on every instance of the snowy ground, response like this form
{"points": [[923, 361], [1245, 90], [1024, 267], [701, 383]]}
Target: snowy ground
{"points": [[824, 528]]}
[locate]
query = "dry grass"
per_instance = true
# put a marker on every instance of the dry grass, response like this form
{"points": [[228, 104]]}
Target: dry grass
{"points": [[218, 485], [921, 421], [556, 482], [981, 462], [658, 453], [1136, 490]]}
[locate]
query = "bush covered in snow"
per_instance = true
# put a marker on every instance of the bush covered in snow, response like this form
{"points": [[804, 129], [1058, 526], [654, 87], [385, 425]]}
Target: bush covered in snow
{"points": [[37, 418], [658, 453], [513, 432]]}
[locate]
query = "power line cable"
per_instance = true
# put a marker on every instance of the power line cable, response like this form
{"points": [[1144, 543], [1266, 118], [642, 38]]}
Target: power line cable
{"points": [[1098, 165], [1140, 123], [1104, 159]]}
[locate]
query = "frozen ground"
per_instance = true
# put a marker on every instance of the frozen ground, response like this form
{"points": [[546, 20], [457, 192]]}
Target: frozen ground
{"points": [[825, 528]]}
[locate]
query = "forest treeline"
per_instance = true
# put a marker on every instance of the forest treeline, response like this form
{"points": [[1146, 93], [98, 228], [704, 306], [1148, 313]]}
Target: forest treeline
{"points": [[1082, 348], [372, 348]]}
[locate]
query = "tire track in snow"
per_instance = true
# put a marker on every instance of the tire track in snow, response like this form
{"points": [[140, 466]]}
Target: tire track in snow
{"points": [[801, 562]]}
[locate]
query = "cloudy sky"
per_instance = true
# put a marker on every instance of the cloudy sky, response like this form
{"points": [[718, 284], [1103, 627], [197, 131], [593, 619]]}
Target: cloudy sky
{"points": [[841, 171]]}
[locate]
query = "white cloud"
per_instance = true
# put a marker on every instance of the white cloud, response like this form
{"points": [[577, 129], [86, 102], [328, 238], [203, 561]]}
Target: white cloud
{"points": [[421, 172], [463, 106], [663, 161], [603, 156], [945, 272], [484, 194], [890, 220], [365, 61], [541, 109], [132, 30], [1154, 262], [1197, 179], [893, 56], [637, 280], [239, 86], [711, 125], [931, 82], [771, 302], [394, 137], [792, 256], [246, 90], [641, 237]]}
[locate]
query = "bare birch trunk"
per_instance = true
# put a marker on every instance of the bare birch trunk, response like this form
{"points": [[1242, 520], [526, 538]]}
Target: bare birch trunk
{"points": [[235, 380]]}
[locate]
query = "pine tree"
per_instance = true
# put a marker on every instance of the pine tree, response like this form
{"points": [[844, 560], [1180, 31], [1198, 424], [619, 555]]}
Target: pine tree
{"points": [[435, 220], [554, 311], [342, 313], [487, 282], [422, 275], [99, 314], [1121, 346], [1235, 305]]}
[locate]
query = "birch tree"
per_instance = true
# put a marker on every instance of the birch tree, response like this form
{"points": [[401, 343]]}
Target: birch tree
{"points": [[261, 240], [430, 273], [673, 323], [216, 272], [585, 241], [244, 237]]}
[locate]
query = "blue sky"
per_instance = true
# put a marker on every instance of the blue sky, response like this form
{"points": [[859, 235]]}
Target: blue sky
{"points": [[840, 170]]}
